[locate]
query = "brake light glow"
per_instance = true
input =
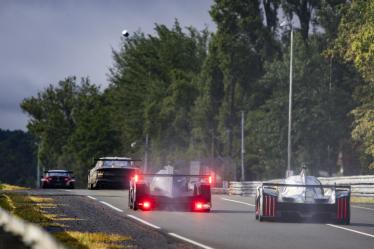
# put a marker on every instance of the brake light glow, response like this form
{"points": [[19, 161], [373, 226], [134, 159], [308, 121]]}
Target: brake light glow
{"points": [[146, 204], [136, 178], [210, 179], [198, 205]]}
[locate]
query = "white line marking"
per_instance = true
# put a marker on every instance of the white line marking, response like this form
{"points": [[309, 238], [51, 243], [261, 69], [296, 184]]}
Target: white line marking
{"points": [[68, 190], [111, 206], [190, 241], [351, 230], [93, 198], [362, 207], [241, 202], [143, 221]]}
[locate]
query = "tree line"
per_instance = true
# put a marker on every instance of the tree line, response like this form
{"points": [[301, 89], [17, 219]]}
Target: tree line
{"points": [[186, 89]]}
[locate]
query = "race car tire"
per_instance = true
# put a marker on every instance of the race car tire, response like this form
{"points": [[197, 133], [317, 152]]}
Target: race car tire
{"points": [[256, 210], [260, 217], [133, 201]]}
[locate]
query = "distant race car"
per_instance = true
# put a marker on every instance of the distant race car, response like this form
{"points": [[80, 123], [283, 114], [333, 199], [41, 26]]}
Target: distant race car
{"points": [[57, 179], [111, 172], [304, 197], [167, 188]]}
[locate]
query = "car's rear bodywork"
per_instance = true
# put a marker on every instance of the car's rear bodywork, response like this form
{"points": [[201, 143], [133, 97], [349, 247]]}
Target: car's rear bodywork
{"points": [[58, 179], [111, 172], [161, 190], [303, 197]]}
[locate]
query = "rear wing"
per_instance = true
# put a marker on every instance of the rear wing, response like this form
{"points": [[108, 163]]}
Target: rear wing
{"points": [[95, 160], [172, 175], [117, 159], [333, 186], [138, 176]]}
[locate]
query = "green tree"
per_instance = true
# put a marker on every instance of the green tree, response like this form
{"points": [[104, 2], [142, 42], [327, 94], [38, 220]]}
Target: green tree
{"points": [[17, 158], [153, 88], [355, 45]]}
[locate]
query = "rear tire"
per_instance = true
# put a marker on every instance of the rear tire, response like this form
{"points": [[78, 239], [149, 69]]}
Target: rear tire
{"points": [[256, 210]]}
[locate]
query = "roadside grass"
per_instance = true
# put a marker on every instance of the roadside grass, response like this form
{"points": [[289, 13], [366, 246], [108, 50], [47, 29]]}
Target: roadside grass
{"points": [[5, 186], [91, 240], [356, 199], [35, 209]]}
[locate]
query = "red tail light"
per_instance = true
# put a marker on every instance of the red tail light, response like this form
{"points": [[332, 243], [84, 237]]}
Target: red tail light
{"points": [[198, 206], [66, 179], [136, 178], [146, 205], [210, 179]]}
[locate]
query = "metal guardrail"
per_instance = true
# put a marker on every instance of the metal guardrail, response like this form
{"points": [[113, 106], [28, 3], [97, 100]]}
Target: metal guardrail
{"points": [[32, 236], [360, 185]]}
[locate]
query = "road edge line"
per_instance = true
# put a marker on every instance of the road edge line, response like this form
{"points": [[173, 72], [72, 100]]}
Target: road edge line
{"points": [[241, 202], [93, 198], [351, 230], [190, 241], [111, 206], [360, 207], [143, 221]]}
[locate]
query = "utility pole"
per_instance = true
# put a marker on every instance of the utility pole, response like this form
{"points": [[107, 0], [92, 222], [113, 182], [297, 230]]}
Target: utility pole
{"points": [[289, 146], [242, 150], [37, 182], [146, 154]]}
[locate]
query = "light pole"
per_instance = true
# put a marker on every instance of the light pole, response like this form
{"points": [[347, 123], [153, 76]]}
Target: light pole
{"points": [[242, 150], [37, 182], [289, 147]]}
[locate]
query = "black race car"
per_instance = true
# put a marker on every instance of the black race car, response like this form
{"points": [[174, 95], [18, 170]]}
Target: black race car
{"points": [[111, 172], [57, 179], [168, 189]]}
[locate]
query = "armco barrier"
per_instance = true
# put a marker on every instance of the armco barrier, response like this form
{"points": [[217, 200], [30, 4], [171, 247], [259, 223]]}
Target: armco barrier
{"points": [[29, 235], [361, 185]]}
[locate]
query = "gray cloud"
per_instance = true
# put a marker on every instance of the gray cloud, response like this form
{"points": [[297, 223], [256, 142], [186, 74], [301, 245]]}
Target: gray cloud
{"points": [[43, 42]]}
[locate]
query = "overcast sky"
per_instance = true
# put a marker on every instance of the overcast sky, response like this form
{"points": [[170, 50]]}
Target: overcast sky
{"points": [[42, 42]]}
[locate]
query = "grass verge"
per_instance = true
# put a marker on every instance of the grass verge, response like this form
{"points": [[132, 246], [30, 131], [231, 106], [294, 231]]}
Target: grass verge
{"points": [[35, 209], [11, 187], [365, 200]]}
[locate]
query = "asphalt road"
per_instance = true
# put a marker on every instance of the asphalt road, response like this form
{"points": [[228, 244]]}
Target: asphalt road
{"points": [[231, 224]]}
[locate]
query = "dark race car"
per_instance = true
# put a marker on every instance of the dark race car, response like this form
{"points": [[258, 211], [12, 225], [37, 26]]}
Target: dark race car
{"points": [[168, 189], [111, 172], [57, 179], [303, 197]]}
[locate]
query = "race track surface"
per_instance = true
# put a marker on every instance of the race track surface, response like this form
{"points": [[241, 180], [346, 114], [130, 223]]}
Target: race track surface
{"points": [[231, 223]]}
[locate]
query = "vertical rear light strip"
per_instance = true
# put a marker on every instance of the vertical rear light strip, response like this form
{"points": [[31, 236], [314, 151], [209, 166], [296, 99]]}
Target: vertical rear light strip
{"points": [[270, 204], [266, 205], [274, 203], [338, 210]]}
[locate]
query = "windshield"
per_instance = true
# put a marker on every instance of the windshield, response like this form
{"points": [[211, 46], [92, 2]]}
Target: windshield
{"points": [[115, 164], [58, 174]]}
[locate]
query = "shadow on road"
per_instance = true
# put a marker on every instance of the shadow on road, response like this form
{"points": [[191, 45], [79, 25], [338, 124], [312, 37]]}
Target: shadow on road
{"points": [[215, 211], [362, 224]]}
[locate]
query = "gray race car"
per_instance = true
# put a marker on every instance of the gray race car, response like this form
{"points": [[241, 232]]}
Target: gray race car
{"points": [[303, 197]]}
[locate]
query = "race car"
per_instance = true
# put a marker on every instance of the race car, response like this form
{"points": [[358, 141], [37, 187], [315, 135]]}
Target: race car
{"points": [[57, 179], [304, 197], [169, 189], [111, 172]]}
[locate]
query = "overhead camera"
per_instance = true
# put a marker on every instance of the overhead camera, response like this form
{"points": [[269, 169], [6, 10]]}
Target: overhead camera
{"points": [[125, 33]]}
